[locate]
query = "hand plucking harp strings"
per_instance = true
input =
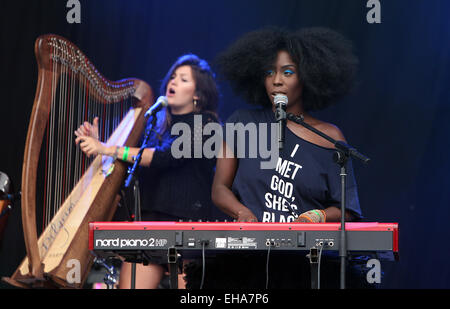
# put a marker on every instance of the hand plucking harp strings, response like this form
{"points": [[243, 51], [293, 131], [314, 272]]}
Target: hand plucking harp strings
{"points": [[88, 138], [87, 129]]}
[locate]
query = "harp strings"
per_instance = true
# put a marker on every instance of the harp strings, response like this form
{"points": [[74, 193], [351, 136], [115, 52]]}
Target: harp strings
{"points": [[76, 97]]}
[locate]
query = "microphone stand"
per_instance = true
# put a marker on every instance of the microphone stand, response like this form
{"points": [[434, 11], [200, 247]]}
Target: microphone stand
{"points": [[280, 117], [341, 156], [131, 178]]}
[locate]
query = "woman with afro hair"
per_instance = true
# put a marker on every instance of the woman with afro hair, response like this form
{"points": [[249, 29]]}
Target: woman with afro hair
{"points": [[314, 68]]}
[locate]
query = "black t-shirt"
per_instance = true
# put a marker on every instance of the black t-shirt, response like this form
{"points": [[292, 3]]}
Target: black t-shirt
{"points": [[305, 176], [179, 187]]}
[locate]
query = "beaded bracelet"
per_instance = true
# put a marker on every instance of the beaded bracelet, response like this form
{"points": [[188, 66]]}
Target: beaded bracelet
{"points": [[315, 215], [125, 153], [116, 153]]}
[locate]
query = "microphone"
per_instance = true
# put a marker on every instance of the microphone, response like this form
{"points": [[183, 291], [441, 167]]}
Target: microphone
{"points": [[159, 104], [280, 101], [5, 184]]}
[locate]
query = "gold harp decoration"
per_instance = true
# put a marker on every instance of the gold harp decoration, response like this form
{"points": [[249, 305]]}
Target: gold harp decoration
{"points": [[77, 190]]}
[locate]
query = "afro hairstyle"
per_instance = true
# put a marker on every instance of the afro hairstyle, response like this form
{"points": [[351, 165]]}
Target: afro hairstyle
{"points": [[326, 64]]}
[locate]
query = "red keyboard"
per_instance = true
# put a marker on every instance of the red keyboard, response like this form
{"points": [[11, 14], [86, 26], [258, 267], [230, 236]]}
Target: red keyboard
{"points": [[157, 237]]}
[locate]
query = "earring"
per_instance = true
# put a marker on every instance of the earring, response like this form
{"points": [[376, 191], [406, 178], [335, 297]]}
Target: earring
{"points": [[195, 102]]}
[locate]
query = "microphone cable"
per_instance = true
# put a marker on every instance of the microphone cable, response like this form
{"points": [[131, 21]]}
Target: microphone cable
{"points": [[203, 265], [318, 267], [267, 266]]}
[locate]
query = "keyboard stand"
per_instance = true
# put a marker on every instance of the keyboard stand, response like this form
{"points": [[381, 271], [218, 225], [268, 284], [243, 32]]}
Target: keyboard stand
{"points": [[172, 259], [314, 263]]}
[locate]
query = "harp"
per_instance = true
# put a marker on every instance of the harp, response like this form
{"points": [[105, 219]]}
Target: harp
{"points": [[71, 189]]}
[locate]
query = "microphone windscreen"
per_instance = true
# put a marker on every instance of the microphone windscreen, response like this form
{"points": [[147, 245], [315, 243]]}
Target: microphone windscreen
{"points": [[163, 100], [4, 183], [280, 99]]}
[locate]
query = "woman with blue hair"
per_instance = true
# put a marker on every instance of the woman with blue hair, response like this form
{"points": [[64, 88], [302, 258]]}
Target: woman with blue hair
{"points": [[172, 189]]}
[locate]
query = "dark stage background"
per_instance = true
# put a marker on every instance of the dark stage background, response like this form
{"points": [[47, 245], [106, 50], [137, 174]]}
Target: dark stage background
{"points": [[399, 115]]}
